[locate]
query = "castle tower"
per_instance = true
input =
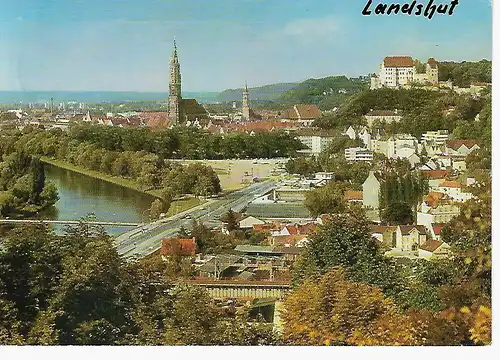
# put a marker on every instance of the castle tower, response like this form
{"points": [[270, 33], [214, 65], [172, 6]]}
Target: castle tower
{"points": [[174, 96], [246, 106]]}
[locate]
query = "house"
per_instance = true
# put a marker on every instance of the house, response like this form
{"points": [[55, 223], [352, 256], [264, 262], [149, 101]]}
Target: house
{"points": [[459, 165], [358, 154], [303, 113], [436, 231], [409, 237], [402, 145], [406, 240], [461, 147], [385, 234], [436, 208], [434, 249], [178, 246], [350, 132], [454, 190], [249, 222], [353, 196], [288, 240], [371, 191], [435, 177], [429, 165], [388, 116]]}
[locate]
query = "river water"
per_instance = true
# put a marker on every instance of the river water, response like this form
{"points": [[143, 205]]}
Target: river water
{"points": [[80, 195]]}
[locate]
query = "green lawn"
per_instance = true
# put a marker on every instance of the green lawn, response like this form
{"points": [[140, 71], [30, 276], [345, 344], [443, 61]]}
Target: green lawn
{"points": [[183, 205]]}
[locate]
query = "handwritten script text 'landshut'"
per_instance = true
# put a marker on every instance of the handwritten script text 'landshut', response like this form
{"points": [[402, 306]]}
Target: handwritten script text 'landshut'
{"points": [[411, 8]]}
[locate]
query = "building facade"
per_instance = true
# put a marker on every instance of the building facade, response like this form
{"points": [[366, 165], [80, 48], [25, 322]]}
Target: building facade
{"points": [[398, 71]]}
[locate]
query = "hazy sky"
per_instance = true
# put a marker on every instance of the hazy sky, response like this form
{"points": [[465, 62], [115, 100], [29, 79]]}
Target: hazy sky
{"points": [[126, 44]]}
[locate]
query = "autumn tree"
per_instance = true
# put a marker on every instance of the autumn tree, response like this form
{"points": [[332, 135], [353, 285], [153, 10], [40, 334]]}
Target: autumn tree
{"points": [[336, 311]]}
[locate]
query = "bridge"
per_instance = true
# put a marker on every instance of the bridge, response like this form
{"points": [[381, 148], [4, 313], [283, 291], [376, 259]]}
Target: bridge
{"points": [[271, 293], [234, 289], [69, 222]]}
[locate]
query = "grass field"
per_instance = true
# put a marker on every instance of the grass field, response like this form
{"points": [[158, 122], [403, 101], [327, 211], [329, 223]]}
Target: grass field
{"points": [[183, 205]]}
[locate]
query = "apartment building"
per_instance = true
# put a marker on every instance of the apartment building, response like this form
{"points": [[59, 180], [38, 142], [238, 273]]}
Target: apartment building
{"points": [[358, 154]]}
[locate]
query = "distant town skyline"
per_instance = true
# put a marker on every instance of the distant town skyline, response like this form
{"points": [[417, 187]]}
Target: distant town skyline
{"points": [[122, 45]]}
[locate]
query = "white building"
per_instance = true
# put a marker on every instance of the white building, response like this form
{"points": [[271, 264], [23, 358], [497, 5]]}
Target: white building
{"points": [[454, 190], [371, 191], [315, 143], [388, 116], [435, 138], [358, 154], [397, 71], [402, 145]]}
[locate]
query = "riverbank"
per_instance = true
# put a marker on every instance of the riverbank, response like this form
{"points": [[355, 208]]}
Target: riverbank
{"points": [[175, 208]]}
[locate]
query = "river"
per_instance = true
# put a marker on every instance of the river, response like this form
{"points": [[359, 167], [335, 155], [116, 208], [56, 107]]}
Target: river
{"points": [[80, 195]]}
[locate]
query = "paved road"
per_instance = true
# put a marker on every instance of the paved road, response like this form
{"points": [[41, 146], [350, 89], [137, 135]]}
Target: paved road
{"points": [[146, 239]]}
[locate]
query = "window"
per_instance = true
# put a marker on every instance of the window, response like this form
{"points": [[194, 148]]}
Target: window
{"points": [[414, 247], [394, 242]]}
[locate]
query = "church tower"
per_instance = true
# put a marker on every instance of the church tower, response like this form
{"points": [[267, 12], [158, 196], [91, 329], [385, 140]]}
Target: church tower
{"points": [[174, 96], [246, 105]]}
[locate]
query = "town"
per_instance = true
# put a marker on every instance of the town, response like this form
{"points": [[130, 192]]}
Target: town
{"points": [[342, 211]]}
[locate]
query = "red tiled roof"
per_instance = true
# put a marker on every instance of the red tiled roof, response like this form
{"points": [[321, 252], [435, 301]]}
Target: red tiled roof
{"points": [[435, 174], [282, 240], [353, 195], [398, 61], [264, 227], [433, 198], [432, 63], [307, 111], [431, 245], [455, 144], [437, 228], [292, 229], [451, 184], [303, 112], [260, 126], [171, 246], [155, 119], [307, 228]]}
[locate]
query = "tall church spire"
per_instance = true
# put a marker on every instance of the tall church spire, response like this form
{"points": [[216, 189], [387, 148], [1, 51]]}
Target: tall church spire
{"points": [[174, 95], [245, 108]]}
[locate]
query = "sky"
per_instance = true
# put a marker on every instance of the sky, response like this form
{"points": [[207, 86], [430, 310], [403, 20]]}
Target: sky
{"points": [[125, 45]]}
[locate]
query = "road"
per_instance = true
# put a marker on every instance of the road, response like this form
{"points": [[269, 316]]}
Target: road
{"points": [[146, 239]]}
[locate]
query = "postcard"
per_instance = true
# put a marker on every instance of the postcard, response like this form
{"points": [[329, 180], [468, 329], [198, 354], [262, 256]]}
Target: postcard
{"points": [[246, 173]]}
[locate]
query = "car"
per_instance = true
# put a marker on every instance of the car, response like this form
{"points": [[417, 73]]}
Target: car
{"points": [[188, 217]]}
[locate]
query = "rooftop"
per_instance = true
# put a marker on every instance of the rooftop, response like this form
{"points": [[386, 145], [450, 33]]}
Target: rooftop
{"points": [[398, 61]]}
